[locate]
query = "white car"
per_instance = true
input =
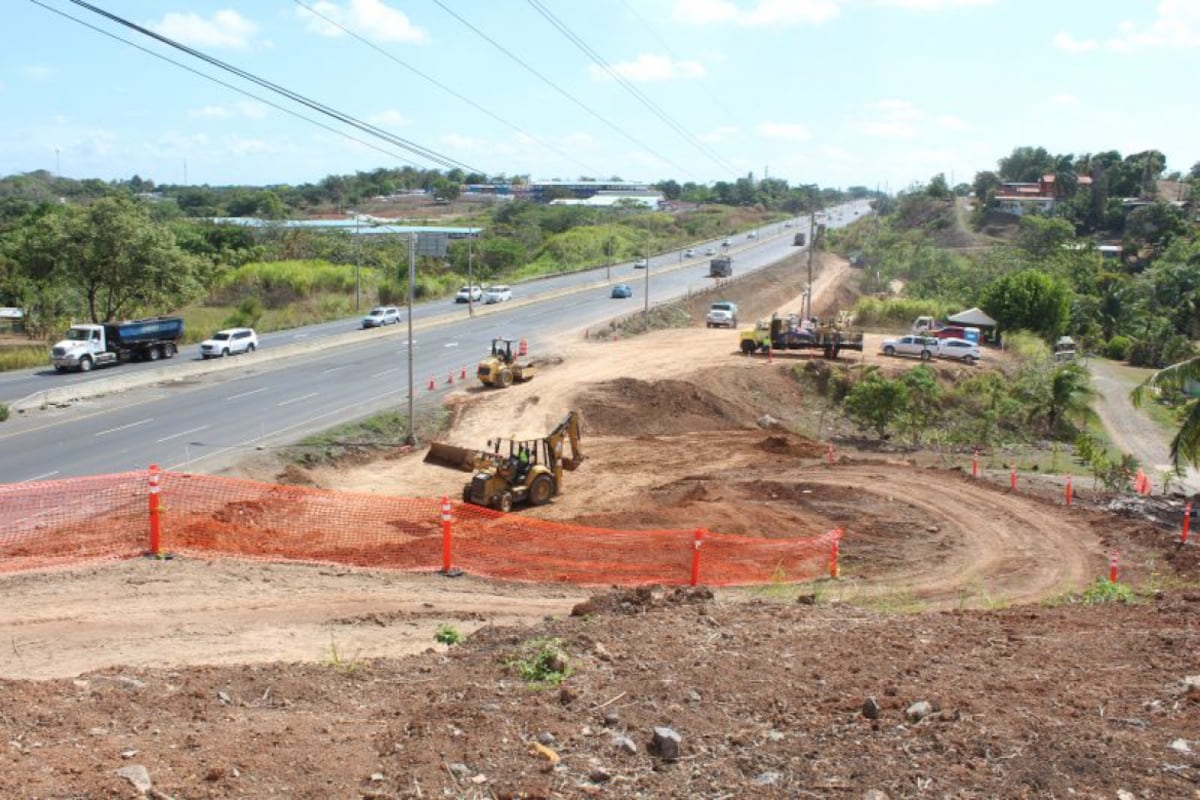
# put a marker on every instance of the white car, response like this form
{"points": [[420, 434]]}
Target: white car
{"points": [[469, 294], [689, 253], [710, 252], [923, 347], [497, 294], [229, 343], [962, 350], [380, 316], [751, 235], [641, 263]]}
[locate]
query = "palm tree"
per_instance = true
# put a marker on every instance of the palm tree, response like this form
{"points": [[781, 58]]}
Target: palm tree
{"points": [[1177, 378], [1070, 397]]}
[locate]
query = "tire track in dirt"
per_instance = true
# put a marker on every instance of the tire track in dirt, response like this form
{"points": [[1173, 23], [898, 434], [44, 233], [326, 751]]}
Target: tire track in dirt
{"points": [[1010, 548]]}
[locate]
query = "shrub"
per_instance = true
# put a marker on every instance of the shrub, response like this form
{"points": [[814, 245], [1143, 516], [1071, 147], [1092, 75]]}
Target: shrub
{"points": [[541, 662], [447, 634], [248, 314], [872, 311], [1117, 348], [3, 411]]}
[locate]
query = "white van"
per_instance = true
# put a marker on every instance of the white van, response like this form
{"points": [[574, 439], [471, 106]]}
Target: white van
{"points": [[497, 294]]}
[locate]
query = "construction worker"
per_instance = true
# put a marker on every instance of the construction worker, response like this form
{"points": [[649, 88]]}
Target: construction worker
{"points": [[522, 463]]}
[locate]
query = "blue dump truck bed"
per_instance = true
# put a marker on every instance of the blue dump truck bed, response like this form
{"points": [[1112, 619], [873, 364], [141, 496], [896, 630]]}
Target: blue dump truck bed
{"points": [[157, 329]]}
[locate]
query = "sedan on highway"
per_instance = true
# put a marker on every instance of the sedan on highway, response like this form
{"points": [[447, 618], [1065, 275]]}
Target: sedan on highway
{"points": [[923, 347], [229, 343], [710, 251], [381, 316], [689, 253], [641, 263], [622, 290]]}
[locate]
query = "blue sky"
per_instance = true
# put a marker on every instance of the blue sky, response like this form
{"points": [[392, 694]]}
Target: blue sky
{"points": [[837, 92]]}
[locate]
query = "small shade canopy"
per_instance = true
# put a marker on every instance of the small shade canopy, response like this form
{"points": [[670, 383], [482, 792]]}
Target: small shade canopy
{"points": [[973, 316]]}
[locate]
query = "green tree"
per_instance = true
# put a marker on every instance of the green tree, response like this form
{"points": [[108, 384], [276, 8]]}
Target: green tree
{"points": [[1067, 401], [1175, 380], [1027, 164], [922, 402], [874, 403], [938, 189], [1043, 238], [1030, 300]]}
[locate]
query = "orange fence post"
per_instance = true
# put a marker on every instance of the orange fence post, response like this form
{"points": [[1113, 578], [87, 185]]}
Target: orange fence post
{"points": [[696, 556], [1187, 522], [432, 385], [447, 547], [1112, 567], [833, 553], [1012, 479], [975, 463], [155, 480], [1068, 489]]}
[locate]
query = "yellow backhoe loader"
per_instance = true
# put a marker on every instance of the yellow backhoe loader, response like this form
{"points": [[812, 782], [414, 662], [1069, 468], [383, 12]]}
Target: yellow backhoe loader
{"points": [[502, 367], [514, 471]]}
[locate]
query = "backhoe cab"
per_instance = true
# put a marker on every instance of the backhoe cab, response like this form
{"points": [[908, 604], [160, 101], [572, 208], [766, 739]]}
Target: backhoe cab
{"points": [[503, 478], [502, 367]]}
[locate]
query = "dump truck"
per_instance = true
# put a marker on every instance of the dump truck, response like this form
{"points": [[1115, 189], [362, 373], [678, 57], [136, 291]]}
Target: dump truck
{"points": [[502, 367], [509, 471], [783, 333], [721, 267], [88, 346]]}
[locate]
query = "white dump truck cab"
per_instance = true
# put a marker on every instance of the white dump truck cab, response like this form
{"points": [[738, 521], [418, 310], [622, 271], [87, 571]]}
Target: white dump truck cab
{"points": [[84, 348]]}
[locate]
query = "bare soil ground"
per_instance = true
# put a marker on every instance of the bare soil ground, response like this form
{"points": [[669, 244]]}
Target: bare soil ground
{"points": [[225, 679]]}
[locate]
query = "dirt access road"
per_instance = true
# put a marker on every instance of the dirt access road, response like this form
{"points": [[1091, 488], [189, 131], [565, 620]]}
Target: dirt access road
{"points": [[232, 679]]}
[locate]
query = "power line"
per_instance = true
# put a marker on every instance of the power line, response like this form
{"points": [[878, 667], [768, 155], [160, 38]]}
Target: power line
{"points": [[562, 91], [442, 86], [405, 144], [629, 87], [228, 85]]}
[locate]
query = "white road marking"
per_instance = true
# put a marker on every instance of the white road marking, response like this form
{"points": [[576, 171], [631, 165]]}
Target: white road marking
{"points": [[125, 427], [331, 369], [181, 433], [246, 394], [450, 344], [386, 372], [40, 477], [298, 399]]}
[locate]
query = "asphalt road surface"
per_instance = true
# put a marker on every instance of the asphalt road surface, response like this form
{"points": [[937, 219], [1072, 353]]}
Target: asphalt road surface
{"points": [[206, 422]]}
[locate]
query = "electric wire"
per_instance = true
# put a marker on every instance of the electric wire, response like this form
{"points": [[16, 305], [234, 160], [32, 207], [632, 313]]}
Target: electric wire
{"points": [[228, 85], [611, 125], [481, 109], [628, 85], [405, 144]]}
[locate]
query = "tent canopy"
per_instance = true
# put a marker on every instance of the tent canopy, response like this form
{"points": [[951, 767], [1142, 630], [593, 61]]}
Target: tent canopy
{"points": [[973, 316]]}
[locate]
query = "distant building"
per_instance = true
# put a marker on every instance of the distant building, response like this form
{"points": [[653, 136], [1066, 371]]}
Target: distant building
{"points": [[651, 199]]}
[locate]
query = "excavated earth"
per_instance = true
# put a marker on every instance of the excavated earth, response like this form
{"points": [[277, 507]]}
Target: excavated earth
{"points": [[952, 658]]}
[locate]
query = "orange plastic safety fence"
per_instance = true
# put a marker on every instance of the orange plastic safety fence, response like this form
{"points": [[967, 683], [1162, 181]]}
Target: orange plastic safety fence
{"points": [[72, 521]]}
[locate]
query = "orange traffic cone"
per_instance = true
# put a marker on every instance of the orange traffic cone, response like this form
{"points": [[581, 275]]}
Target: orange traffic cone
{"points": [[450, 378], [463, 376], [432, 385]]}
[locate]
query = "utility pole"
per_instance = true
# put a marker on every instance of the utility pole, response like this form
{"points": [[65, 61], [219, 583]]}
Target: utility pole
{"points": [[357, 273], [412, 282], [470, 281], [812, 244], [646, 292]]}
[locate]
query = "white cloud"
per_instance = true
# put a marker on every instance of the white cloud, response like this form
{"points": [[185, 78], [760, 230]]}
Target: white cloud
{"points": [[952, 123], [371, 19], [651, 67], [933, 5], [898, 109], [246, 108], [762, 12], [789, 131], [37, 72], [1065, 41], [390, 117], [703, 12], [833, 153], [241, 146], [1064, 99], [888, 129], [226, 28], [1176, 25], [722, 134]]}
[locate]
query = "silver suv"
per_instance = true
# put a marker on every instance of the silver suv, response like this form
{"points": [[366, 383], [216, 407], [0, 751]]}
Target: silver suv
{"points": [[722, 314]]}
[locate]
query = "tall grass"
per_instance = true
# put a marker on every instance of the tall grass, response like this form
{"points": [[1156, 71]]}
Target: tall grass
{"points": [[877, 312], [24, 356]]}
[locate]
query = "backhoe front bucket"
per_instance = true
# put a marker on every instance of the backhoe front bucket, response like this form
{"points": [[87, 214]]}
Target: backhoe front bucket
{"points": [[452, 456]]}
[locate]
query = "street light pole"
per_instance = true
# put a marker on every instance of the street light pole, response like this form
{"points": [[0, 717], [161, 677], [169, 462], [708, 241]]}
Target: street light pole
{"points": [[357, 273], [412, 282], [470, 281], [646, 292], [812, 243]]}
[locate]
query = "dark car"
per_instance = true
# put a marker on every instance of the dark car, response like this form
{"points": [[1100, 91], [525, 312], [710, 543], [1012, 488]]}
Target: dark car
{"points": [[622, 290]]}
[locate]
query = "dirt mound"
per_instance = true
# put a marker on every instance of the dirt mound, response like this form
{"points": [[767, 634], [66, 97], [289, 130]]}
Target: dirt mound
{"points": [[791, 446], [640, 600], [632, 407]]}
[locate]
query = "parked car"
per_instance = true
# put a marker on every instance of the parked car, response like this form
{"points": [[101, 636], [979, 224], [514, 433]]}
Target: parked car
{"points": [[380, 316], [229, 343], [958, 349], [958, 332], [622, 290], [722, 314], [497, 294], [469, 294], [923, 347], [641, 263]]}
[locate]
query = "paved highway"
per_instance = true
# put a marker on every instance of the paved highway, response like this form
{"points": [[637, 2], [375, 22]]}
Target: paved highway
{"points": [[205, 423]]}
